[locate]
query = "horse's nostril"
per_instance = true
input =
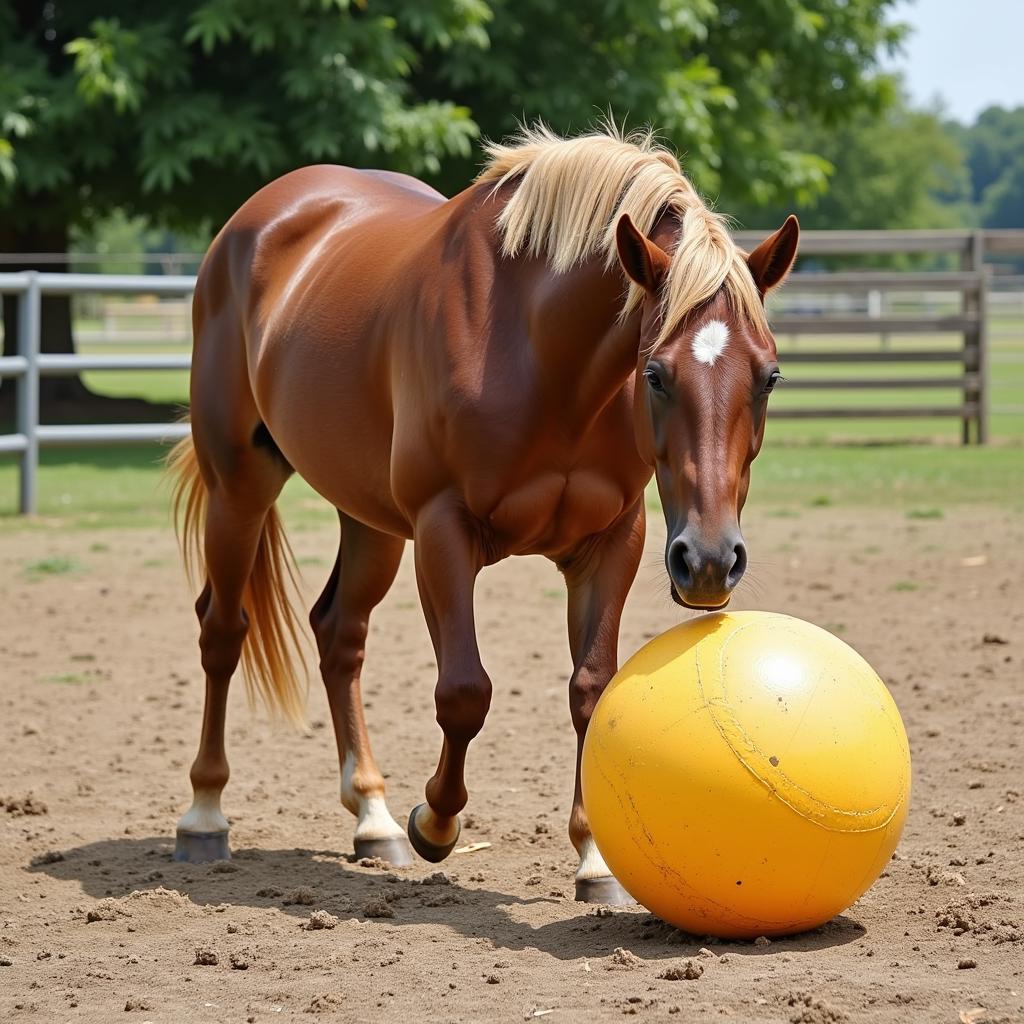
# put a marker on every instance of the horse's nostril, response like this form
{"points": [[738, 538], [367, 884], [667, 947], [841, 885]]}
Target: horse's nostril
{"points": [[679, 564], [739, 566]]}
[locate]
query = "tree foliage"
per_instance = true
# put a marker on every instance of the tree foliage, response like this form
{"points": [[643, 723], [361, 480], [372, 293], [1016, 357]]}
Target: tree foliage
{"points": [[179, 111], [994, 146], [900, 169]]}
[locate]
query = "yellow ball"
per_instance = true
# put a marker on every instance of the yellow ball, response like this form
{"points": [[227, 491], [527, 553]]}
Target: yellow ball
{"points": [[746, 774]]}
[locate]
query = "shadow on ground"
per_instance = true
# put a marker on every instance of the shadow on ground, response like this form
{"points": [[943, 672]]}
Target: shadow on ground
{"points": [[262, 879]]}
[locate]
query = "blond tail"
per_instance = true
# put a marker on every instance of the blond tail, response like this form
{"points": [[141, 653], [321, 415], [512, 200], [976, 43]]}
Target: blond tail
{"points": [[272, 648]]}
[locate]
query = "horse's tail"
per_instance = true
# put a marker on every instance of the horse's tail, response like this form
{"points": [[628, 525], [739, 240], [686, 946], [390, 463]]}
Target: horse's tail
{"points": [[272, 649]]}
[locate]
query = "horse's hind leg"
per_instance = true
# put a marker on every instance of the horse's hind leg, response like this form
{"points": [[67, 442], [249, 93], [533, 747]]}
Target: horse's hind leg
{"points": [[363, 573], [235, 519]]}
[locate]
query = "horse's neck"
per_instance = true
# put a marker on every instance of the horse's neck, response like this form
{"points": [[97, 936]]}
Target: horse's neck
{"points": [[581, 351], [579, 342]]}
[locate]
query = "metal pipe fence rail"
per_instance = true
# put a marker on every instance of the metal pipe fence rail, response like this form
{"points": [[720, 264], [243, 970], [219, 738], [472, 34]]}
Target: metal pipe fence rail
{"points": [[970, 282], [30, 364]]}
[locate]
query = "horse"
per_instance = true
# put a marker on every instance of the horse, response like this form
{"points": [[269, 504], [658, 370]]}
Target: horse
{"points": [[496, 374]]}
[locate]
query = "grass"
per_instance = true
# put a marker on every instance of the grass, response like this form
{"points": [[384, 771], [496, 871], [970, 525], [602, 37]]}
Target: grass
{"points": [[111, 488], [903, 477], [65, 679], [55, 566]]}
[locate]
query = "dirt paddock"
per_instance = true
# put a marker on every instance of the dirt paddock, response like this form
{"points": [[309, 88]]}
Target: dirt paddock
{"points": [[99, 716]]}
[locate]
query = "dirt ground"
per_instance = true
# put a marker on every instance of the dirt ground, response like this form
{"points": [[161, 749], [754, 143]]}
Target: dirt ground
{"points": [[99, 715]]}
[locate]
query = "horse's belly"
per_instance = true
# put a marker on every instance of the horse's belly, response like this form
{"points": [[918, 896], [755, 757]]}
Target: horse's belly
{"points": [[334, 432]]}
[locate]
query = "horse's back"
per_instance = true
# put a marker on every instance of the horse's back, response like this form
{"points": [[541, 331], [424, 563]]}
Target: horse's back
{"points": [[273, 235], [285, 321]]}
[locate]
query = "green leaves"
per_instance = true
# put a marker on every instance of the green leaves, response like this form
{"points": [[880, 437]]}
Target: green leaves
{"points": [[213, 23], [114, 63], [183, 110]]}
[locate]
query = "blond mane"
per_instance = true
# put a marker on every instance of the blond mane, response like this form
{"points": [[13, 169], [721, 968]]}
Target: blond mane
{"points": [[572, 191]]}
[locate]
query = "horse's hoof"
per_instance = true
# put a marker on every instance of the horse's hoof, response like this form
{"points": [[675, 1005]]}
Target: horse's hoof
{"points": [[201, 847], [423, 846], [605, 889], [396, 851]]}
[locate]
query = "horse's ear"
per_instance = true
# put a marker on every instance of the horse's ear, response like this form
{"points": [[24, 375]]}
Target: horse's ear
{"points": [[642, 260], [771, 261]]}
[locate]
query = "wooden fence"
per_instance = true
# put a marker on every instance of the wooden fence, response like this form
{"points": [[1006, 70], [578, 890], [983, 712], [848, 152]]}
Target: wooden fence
{"points": [[969, 249]]}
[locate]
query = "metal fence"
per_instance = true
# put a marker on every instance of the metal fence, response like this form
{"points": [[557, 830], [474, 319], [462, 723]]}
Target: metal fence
{"points": [[30, 364]]}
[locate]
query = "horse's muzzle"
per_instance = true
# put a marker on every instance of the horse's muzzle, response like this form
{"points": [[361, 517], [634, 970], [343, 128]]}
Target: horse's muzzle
{"points": [[705, 572]]}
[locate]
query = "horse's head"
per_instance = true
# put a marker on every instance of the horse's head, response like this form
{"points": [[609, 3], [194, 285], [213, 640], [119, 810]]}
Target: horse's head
{"points": [[701, 397]]}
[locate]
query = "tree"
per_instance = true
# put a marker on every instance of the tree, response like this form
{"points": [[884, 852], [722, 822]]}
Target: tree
{"points": [[995, 157], [722, 81], [1004, 198], [993, 143], [902, 169], [179, 111]]}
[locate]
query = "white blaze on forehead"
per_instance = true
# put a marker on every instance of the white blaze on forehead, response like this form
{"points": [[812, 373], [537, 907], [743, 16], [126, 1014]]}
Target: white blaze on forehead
{"points": [[710, 341]]}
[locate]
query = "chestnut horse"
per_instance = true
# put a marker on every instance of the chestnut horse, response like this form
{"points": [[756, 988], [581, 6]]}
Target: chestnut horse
{"points": [[491, 375]]}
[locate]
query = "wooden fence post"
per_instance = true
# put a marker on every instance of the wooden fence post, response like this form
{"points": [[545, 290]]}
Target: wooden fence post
{"points": [[975, 341], [978, 247]]}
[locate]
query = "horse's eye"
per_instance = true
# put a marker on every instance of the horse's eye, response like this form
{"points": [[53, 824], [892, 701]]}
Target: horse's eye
{"points": [[652, 378], [772, 381]]}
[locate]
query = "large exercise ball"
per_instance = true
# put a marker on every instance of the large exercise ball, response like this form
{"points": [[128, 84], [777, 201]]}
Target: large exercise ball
{"points": [[746, 774]]}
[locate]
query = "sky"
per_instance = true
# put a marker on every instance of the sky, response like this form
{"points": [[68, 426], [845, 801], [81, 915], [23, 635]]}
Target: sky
{"points": [[970, 53]]}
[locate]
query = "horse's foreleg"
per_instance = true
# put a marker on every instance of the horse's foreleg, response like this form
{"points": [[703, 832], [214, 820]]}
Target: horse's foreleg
{"points": [[363, 573], [598, 580], [447, 563]]}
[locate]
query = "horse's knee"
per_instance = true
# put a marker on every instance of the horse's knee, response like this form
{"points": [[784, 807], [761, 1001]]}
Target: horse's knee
{"points": [[585, 688], [462, 701]]}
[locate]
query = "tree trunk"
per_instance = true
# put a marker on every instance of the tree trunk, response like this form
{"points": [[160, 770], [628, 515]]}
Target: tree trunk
{"points": [[55, 326], [61, 399]]}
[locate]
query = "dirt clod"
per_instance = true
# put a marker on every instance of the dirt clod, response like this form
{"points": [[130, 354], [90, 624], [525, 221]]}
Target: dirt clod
{"points": [[325, 1004], [240, 960], [320, 919], [105, 910], [377, 907], [809, 1009], [624, 958], [49, 857], [436, 878], [206, 957], [24, 805], [689, 970]]}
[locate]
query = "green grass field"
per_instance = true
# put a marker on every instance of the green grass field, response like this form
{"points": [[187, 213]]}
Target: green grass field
{"points": [[912, 465], [120, 487]]}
